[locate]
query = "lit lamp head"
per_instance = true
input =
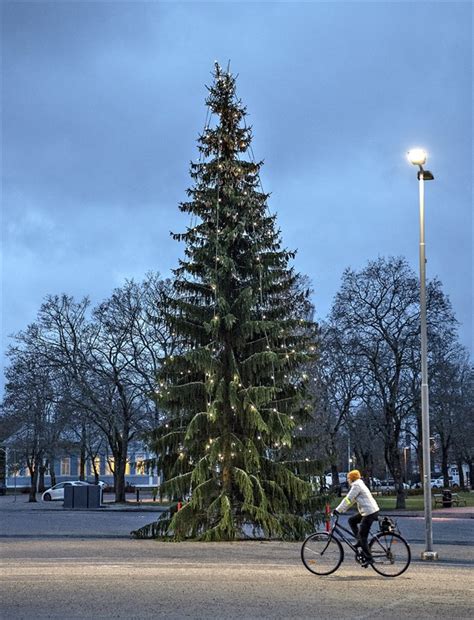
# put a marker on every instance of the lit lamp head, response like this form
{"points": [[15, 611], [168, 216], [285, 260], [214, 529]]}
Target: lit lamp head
{"points": [[418, 157]]}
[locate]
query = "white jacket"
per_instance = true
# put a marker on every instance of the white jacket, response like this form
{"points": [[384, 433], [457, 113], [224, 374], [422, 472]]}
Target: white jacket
{"points": [[359, 493]]}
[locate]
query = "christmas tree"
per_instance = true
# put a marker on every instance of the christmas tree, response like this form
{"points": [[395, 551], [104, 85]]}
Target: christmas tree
{"points": [[236, 399]]}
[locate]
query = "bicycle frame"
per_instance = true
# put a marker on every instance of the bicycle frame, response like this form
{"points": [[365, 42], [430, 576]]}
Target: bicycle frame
{"points": [[337, 532]]}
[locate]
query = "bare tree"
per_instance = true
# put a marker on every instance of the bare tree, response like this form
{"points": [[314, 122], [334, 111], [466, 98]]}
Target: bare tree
{"points": [[136, 310], [32, 406], [339, 380], [463, 435], [90, 353], [447, 371], [109, 358], [378, 309], [367, 442]]}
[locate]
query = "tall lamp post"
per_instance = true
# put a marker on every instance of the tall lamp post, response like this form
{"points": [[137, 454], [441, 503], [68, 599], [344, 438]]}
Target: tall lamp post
{"points": [[418, 157]]}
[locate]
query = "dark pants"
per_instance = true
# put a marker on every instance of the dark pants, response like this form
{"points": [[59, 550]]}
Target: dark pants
{"points": [[362, 532]]}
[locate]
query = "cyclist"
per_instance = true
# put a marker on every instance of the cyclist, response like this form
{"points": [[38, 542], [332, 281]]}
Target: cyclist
{"points": [[368, 510]]}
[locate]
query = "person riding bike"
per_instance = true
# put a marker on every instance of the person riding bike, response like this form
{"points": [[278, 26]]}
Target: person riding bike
{"points": [[368, 510]]}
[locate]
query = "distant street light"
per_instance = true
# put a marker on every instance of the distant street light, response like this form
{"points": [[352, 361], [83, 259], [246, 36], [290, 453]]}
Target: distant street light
{"points": [[418, 157]]}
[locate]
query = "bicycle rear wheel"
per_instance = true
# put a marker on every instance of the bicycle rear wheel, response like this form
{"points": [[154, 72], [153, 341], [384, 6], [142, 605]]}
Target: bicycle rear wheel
{"points": [[391, 554], [321, 553]]}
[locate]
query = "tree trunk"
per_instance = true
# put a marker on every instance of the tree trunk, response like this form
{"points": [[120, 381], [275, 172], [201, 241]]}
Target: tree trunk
{"points": [[401, 495], [365, 459], [444, 463], [82, 463], [42, 470], [34, 481], [119, 473], [461, 474], [336, 485], [52, 473], [227, 477], [395, 467], [471, 471], [393, 456], [82, 458], [96, 476], [334, 474]]}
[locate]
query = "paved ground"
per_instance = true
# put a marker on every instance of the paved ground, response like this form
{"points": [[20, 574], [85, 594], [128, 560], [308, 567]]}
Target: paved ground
{"points": [[64, 564], [141, 579]]}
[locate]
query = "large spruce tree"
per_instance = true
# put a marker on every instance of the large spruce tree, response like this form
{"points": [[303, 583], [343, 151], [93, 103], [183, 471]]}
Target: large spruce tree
{"points": [[236, 398]]}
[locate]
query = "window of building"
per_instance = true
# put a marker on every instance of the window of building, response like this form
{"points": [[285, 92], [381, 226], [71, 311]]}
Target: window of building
{"points": [[110, 466], [65, 466], [140, 469]]}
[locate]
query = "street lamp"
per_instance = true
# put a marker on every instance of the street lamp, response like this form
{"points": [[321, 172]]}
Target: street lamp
{"points": [[418, 157]]}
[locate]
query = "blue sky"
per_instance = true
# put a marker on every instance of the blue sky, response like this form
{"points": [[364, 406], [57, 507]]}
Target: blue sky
{"points": [[103, 101]]}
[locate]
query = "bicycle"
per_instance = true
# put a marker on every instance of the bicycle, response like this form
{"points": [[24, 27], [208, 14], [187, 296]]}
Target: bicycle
{"points": [[322, 552]]}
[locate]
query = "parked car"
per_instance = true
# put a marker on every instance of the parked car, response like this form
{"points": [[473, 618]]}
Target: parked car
{"points": [[57, 492], [437, 483], [101, 483], [389, 485]]}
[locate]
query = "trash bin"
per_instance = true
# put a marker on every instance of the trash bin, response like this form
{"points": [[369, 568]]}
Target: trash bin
{"points": [[82, 497], [447, 498], [94, 496]]}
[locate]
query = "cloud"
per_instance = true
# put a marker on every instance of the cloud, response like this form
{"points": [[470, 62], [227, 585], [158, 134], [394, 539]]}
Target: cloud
{"points": [[103, 103]]}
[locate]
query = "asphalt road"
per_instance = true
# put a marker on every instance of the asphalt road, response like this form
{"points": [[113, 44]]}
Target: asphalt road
{"points": [[58, 564], [49, 520]]}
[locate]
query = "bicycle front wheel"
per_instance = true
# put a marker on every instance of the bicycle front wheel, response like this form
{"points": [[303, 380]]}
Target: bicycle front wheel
{"points": [[321, 553], [391, 554]]}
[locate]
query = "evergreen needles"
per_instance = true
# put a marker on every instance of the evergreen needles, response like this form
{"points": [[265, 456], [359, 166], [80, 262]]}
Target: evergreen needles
{"points": [[236, 397]]}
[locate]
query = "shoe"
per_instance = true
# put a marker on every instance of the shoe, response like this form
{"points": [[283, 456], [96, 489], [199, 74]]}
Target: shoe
{"points": [[360, 558], [364, 556]]}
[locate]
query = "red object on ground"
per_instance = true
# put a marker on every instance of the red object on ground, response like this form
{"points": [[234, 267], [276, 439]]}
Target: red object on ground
{"points": [[328, 517], [180, 505]]}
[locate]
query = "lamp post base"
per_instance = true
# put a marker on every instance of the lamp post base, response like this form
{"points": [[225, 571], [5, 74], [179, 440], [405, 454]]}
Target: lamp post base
{"points": [[429, 556]]}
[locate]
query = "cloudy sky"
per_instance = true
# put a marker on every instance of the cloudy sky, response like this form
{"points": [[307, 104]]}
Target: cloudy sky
{"points": [[103, 101]]}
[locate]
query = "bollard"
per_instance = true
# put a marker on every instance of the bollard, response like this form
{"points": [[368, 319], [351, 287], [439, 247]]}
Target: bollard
{"points": [[327, 511], [138, 496]]}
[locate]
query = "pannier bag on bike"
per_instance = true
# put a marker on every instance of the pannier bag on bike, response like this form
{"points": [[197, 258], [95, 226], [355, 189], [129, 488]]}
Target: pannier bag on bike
{"points": [[387, 525]]}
